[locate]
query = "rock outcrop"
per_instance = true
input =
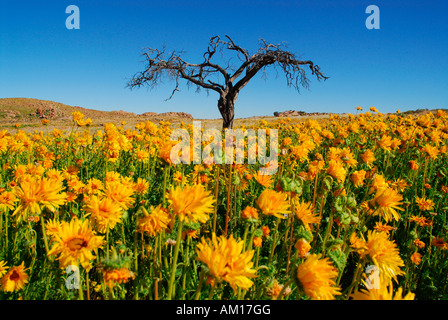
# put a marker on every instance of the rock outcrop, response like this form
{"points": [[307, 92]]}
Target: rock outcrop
{"points": [[294, 113]]}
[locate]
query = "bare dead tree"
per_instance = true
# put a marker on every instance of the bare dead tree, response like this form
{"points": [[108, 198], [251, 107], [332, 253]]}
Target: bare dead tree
{"points": [[226, 81]]}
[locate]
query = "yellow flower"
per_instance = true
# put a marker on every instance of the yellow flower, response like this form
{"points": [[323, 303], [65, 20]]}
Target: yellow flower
{"points": [[359, 244], [141, 186], [431, 151], [55, 175], [178, 177], [105, 212], [226, 261], [75, 242], [385, 143], [52, 227], [121, 193], [378, 182], [112, 176], [305, 213], [386, 202], [399, 184], [273, 203], [142, 155], [316, 278], [3, 268], [264, 180], [347, 157], [384, 254], [336, 170], [93, 186], [191, 203], [287, 141], [77, 116], [15, 279], [7, 201], [300, 152], [358, 177], [36, 194], [165, 151], [368, 157], [155, 222]]}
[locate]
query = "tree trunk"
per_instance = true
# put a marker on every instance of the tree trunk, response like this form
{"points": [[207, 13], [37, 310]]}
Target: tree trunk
{"points": [[226, 106]]}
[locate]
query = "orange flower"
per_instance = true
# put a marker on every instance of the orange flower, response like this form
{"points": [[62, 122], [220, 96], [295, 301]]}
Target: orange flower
{"points": [[250, 213], [303, 247], [413, 165], [419, 244], [266, 231], [421, 221], [416, 258], [424, 204], [358, 177], [258, 241], [439, 243]]}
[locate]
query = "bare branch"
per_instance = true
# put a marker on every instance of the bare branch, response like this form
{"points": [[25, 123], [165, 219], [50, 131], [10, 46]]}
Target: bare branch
{"points": [[213, 76]]}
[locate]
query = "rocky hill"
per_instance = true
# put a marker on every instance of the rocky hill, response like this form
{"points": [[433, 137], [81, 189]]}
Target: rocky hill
{"points": [[294, 113], [30, 110]]}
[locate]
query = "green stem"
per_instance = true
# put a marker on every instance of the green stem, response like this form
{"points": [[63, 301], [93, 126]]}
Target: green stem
{"points": [[175, 256], [212, 290], [274, 240], [165, 174], [44, 234], [201, 280], [186, 267], [215, 211], [246, 229], [107, 243], [80, 291]]}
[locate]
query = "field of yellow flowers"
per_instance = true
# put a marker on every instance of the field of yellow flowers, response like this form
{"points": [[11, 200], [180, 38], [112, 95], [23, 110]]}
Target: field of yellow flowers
{"points": [[356, 210]]}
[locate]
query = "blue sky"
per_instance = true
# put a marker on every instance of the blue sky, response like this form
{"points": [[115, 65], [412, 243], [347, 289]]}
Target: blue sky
{"points": [[402, 65]]}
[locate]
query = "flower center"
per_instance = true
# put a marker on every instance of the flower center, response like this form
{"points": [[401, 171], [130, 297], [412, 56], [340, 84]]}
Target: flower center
{"points": [[14, 276], [76, 244]]}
